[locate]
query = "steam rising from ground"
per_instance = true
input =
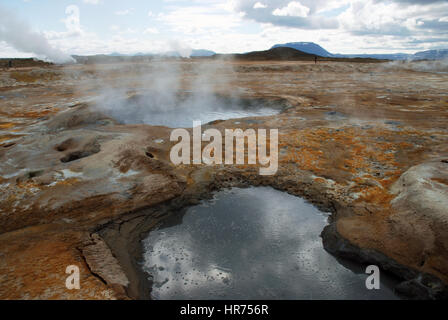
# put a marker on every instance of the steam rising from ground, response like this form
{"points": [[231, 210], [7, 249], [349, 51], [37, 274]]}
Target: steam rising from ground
{"points": [[174, 93], [19, 35], [182, 49], [436, 66]]}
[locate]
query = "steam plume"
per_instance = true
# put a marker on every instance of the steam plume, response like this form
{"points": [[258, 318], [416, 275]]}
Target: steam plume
{"points": [[18, 34]]}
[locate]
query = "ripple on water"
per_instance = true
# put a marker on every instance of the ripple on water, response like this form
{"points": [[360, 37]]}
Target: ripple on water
{"points": [[255, 243]]}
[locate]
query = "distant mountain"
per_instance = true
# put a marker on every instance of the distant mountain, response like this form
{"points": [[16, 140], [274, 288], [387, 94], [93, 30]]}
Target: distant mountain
{"points": [[423, 55], [116, 54], [202, 53], [138, 54], [432, 54], [386, 56], [305, 51], [194, 53], [280, 53], [307, 47], [314, 48], [142, 54]]}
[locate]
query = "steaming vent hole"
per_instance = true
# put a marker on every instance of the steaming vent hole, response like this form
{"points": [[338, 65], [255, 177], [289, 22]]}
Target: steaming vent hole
{"points": [[88, 150], [180, 110]]}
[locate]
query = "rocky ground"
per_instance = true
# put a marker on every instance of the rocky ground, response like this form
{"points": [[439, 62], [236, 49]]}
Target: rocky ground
{"points": [[366, 141]]}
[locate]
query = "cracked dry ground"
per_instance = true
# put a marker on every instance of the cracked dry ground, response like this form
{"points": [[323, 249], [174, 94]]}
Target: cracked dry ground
{"points": [[368, 142]]}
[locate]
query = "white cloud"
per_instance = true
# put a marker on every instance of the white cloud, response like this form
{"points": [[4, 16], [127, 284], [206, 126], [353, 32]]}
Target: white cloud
{"points": [[124, 12], [200, 20], [72, 24], [340, 26], [260, 5], [293, 9], [129, 31], [392, 18], [293, 14], [151, 31], [91, 1]]}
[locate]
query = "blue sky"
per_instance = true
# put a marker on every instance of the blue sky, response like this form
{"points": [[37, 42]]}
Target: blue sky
{"points": [[340, 26], [48, 14]]}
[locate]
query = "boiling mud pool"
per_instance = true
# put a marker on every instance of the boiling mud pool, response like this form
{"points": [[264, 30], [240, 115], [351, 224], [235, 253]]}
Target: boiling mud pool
{"points": [[256, 243], [181, 111]]}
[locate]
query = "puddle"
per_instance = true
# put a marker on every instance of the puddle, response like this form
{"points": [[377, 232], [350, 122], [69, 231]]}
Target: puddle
{"points": [[255, 243], [181, 111]]}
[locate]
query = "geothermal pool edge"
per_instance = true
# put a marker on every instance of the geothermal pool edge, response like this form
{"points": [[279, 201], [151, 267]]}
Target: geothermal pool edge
{"points": [[124, 237]]}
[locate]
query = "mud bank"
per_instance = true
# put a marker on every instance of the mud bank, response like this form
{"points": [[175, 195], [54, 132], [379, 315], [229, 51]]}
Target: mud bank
{"points": [[125, 237], [414, 285]]}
